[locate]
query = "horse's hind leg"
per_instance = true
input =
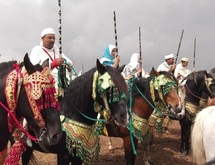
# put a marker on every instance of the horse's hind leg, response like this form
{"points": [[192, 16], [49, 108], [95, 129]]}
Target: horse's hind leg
{"points": [[129, 156]]}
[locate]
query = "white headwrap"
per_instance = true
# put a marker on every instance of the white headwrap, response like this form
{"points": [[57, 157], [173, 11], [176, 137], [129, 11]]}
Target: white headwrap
{"points": [[169, 56], [47, 31], [185, 59], [134, 61], [111, 47]]}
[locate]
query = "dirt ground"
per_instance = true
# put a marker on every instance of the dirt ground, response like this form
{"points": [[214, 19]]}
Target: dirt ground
{"points": [[164, 151]]}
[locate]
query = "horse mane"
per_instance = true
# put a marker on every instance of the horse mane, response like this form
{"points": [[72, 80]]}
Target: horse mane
{"points": [[6, 67], [142, 85], [79, 93], [120, 69], [169, 74], [117, 79], [194, 76]]}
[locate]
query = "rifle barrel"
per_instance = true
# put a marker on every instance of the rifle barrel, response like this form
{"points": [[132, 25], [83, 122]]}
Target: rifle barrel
{"points": [[115, 32], [140, 50], [176, 58], [194, 55]]}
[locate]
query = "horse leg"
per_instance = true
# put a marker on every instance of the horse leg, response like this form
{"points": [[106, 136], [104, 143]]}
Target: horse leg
{"points": [[188, 133], [146, 153], [27, 155], [183, 136], [110, 147], [63, 159], [129, 156]]}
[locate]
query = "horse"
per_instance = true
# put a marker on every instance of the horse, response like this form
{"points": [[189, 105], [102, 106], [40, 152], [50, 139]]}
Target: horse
{"points": [[197, 84], [202, 137], [26, 93], [90, 101], [157, 92]]}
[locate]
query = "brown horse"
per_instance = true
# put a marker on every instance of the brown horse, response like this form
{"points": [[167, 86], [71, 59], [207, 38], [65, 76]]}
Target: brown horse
{"points": [[157, 92]]}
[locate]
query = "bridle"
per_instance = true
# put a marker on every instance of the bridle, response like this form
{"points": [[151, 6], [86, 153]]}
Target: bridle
{"points": [[208, 82], [35, 85], [103, 85]]}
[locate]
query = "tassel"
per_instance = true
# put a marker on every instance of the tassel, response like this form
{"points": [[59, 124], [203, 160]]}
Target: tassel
{"points": [[17, 149], [15, 153]]}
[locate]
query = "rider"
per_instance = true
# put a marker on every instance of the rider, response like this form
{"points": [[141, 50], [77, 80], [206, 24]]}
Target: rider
{"points": [[48, 50], [109, 57], [181, 72], [168, 65], [133, 68]]}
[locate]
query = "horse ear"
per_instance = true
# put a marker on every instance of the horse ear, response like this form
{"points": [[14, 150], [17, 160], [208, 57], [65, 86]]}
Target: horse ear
{"points": [[100, 67], [28, 65], [45, 63], [154, 72]]}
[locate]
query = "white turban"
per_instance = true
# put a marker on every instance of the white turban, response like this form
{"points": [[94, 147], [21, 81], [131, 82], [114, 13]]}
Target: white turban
{"points": [[169, 56], [47, 31], [185, 59]]}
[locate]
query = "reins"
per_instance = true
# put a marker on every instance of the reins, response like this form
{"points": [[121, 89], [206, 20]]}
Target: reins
{"points": [[130, 85], [18, 124], [191, 92], [160, 113]]}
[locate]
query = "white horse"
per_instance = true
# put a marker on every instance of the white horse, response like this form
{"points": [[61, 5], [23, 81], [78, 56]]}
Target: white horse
{"points": [[203, 137]]}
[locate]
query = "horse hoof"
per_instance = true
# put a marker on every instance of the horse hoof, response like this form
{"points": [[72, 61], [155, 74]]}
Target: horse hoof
{"points": [[183, 154]]}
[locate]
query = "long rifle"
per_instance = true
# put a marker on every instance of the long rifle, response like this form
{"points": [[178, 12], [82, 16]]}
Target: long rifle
{"points": [[179, 46], [115, 32], [140, 50], [62, 81], [194, 55]]}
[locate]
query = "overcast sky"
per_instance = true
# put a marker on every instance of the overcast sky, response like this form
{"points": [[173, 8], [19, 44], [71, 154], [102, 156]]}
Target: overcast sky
{"points": [[88, 27]]}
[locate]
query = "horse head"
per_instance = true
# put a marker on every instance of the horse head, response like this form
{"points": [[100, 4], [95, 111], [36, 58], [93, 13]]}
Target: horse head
{"points": [[198, 83], [166, 87], [210, 84], [37, 103], [113, 90]]}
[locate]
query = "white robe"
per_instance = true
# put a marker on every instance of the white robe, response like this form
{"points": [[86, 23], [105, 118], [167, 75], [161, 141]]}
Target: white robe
{"points": [[38, 56]]}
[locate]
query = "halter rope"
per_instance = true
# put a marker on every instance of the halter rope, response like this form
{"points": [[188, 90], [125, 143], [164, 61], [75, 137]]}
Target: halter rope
{"points": [[130, 85]]}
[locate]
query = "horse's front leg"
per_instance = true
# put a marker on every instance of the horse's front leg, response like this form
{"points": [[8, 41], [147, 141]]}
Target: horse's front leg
{"points": [[146, 153], [63, 159], [27, 155], [183, 136], [129, 156], [188, 133]]}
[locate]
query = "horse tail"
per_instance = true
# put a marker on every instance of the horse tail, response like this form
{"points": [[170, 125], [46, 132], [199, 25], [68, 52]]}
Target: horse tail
{"points": [[198, 150]]}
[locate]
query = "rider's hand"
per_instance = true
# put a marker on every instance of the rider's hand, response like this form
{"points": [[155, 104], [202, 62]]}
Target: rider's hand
{"points": [[57, 62]]}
